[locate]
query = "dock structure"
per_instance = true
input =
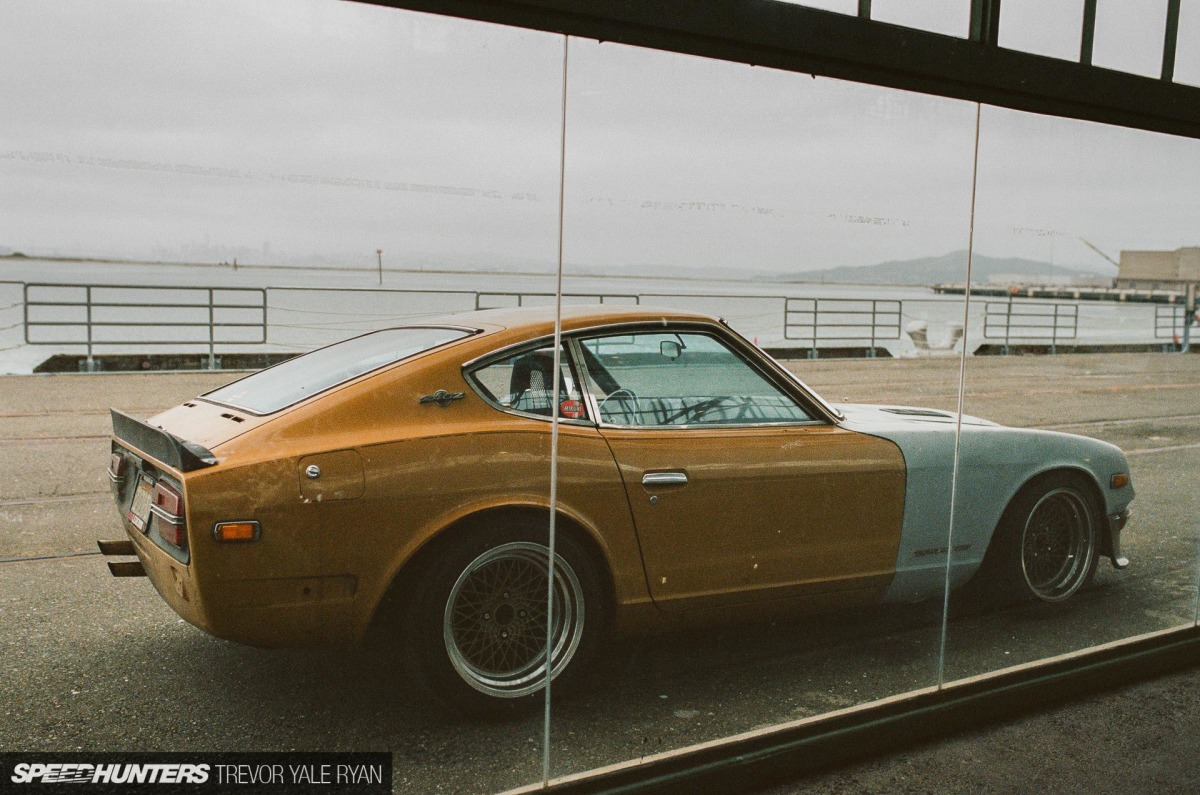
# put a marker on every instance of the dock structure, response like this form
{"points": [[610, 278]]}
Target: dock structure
{"points": [[1064, 293]]}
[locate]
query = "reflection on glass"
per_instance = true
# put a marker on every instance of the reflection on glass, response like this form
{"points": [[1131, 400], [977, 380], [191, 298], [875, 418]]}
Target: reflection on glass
{"points": [[680, 378], [1042, 27], [949, 17], [364, 167], [1129, 36], [360, 168], [811, 215], [1093, 371]]}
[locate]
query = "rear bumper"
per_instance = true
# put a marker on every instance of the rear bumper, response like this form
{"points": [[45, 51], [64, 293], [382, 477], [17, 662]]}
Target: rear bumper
{"points": [[253, 594], [271, 612]]}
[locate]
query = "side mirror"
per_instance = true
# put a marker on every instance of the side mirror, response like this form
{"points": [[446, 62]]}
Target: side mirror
{"points": [[670, 349]]}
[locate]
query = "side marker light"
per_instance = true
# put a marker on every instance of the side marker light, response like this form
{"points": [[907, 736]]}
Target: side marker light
{"points": [[237, 531], [1119, 481]]}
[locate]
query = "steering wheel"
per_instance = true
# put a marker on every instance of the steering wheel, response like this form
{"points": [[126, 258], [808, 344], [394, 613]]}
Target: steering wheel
{"points": [[622, 396], [698, 410]]}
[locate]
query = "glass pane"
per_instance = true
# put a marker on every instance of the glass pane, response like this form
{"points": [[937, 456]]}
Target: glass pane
{"points": [[309, 374], [949, 17], [523, 382], [812, 215], [1129, 36], [680, 379], [1042, 27], [312, 171], [1042, 501]]}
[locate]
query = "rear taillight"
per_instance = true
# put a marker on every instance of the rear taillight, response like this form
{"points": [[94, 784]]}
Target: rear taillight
{"points": [[167, 506], [116, 468]]}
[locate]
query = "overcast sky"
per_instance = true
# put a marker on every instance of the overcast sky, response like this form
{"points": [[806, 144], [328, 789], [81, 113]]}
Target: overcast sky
{"points": [[284, 131]]}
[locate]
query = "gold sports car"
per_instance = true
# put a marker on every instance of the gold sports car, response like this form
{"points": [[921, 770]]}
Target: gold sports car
{"points": [[401, 480]]}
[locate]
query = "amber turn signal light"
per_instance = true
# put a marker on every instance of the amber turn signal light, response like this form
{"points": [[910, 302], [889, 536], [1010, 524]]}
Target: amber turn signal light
{"points": [[1119, 480], [236, 531]]}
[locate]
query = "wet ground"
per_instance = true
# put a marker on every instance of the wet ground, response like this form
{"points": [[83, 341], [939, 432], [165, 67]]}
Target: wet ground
{"points": [[97, 663]]}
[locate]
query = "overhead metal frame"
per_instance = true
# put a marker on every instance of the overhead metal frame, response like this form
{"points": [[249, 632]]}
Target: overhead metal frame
{"points": [[795, 38]]}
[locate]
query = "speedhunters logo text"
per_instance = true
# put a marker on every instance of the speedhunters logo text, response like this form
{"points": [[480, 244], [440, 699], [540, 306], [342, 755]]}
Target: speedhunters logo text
{"points": [[113, 773], [199, 772]]}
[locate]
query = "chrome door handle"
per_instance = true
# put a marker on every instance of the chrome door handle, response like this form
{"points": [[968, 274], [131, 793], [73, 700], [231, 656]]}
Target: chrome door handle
{"points": [[664, 479]]}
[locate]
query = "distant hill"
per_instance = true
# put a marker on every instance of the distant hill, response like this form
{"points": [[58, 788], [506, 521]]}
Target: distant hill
{"points": [[950, 267]]}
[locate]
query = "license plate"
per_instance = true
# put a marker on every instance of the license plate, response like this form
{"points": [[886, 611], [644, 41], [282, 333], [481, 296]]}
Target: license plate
{"points": [[139, 511]]}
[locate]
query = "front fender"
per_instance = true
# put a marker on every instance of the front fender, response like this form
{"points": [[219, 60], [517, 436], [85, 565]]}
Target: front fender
{"points": [[996, 462]]}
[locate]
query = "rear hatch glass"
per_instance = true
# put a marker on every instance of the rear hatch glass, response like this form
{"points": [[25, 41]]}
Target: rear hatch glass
{"points": [[290, 382]]}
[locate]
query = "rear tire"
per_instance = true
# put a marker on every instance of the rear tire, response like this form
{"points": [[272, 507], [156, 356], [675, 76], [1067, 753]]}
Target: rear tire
{"points": [[474, 625], [1048, 542]]}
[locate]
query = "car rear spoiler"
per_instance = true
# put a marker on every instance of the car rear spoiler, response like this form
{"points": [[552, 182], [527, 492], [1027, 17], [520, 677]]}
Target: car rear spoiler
{"points": [[171, 450]]}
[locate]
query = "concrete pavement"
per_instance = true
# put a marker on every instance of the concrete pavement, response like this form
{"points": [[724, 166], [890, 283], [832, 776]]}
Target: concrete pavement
{"points": [[97, 663]]}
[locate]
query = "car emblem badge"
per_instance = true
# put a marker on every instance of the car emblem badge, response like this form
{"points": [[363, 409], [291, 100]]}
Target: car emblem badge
{"points": [[442, 397], [571, 409]]}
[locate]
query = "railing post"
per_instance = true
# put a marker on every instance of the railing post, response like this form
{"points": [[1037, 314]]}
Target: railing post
{"points": [[1008, 324], [212, 355], [91, 362], [871, 352], [1054, 332], [1189, 312], [812, 352]]}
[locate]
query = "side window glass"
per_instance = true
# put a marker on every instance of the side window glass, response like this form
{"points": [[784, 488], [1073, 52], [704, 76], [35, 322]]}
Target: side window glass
{"points": [[523, 382], [668, 379]]}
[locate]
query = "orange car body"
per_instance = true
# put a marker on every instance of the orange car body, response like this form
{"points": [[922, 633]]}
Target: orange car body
{"points": [[783, 516]]}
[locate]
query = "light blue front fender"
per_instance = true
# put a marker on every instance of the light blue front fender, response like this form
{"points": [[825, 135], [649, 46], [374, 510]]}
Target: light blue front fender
{"points": [[996, 462]]}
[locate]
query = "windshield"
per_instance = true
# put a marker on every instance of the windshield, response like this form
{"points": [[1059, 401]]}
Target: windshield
{"points": [[288, 383]]}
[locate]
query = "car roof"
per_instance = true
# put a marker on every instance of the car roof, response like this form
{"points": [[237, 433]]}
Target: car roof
{"points": [[539, 321]]}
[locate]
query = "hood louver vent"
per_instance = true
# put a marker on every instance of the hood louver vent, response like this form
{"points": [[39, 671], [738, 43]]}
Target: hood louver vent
{"points": [[921, 413]]}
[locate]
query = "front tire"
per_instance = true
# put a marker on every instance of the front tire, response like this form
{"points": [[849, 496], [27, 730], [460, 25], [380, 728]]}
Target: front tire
{"points": [[1049, 541], [475, 624]]}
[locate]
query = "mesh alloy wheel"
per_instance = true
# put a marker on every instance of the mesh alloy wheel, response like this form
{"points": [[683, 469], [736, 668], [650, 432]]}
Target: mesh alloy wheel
{"points": [[1058, 545], [494, 625]]}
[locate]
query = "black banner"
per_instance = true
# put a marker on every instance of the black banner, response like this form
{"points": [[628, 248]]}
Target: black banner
{"points": [[181, 772]]}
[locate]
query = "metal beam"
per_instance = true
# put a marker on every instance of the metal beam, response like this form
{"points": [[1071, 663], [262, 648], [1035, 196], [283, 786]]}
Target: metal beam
{"points": [[1170, 40], [1088, 42], [985, 21], [785, 36]]}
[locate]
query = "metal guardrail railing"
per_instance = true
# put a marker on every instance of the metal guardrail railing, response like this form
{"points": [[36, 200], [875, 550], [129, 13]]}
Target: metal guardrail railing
{"points": [[121, 315], [1029, 321], [508, 300], [95, 316], [824, 320], [1168, 322]]}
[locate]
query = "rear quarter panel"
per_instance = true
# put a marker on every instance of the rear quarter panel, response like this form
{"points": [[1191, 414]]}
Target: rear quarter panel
{"points": [[424, 467]]}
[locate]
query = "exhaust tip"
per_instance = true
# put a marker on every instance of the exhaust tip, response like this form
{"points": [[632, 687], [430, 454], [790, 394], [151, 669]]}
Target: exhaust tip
{"points": [[122, 547], [126, 568]]}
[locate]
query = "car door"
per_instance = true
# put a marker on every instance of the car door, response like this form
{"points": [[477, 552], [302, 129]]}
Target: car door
{"points": [[740, 489]]}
